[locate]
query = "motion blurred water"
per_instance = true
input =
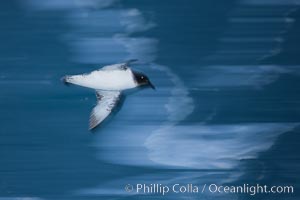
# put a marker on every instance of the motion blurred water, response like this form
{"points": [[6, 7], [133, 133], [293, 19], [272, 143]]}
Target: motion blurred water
{"points": [[226, 109]]}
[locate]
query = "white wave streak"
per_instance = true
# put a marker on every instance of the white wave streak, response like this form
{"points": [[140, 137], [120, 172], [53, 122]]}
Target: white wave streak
{"points": [[212, 146], [133, 21], [141, 48], [256, 76], [180, 104]]}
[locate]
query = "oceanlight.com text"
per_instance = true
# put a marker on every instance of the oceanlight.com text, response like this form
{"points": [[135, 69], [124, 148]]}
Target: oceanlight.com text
{"points": [[164, 189]]}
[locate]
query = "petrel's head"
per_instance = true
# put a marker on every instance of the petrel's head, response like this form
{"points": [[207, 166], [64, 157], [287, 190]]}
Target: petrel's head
{"points": [[142, 80]]}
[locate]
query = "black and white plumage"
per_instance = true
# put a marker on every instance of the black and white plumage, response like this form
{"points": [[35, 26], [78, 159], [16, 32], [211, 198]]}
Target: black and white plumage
{"points": [[108, 82]]}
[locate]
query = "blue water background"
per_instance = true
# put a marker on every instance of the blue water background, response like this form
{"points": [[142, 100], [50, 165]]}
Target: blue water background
{"points": [[226, 109]]}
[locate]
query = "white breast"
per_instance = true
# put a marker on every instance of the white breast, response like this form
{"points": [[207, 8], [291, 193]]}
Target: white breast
{"points": [[105, 80]]}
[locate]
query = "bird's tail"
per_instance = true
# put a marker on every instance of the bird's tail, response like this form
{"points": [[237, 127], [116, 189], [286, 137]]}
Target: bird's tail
{"points": [[66, 80]]}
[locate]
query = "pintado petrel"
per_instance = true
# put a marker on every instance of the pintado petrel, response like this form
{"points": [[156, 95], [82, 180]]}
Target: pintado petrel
{"points": [[108, 82]]}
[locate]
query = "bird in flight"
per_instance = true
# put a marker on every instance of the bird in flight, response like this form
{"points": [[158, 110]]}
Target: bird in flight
{"points": [[109, 82]]}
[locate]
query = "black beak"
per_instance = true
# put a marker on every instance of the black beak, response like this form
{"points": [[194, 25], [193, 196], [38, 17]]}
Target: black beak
{"points": [[151, 85]]}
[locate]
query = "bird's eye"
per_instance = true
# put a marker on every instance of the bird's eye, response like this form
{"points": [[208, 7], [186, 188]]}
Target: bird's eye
{"points": [[142, 77]]}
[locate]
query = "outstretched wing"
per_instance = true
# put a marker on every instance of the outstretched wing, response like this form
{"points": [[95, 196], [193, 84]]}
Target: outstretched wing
{"points": [[106, 101], [119, 66]]}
